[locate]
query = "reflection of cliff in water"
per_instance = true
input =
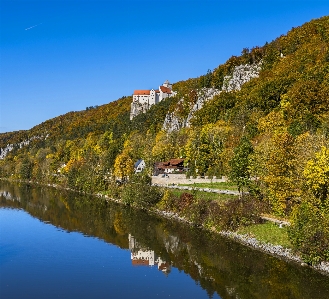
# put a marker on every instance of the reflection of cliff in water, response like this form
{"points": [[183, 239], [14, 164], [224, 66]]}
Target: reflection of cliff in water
{"points": [[8, 196], [217, 264]]}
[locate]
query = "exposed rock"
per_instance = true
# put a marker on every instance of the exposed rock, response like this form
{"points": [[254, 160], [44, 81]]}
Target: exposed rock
{"points": [[240, 75], [205, 95], [137, 108], [173, 122], [5, 151]]}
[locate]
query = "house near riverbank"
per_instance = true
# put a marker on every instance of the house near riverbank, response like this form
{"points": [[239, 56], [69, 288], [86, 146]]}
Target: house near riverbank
{"points": [[171, 166], [139, 166]]}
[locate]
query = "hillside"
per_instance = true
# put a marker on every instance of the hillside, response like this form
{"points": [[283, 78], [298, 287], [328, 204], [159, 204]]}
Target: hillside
{"points": [[261, 118]]}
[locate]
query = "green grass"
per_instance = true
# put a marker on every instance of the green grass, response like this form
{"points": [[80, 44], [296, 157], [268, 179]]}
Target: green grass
{"points": [[269, 233], [217, 185], [204, 195]]}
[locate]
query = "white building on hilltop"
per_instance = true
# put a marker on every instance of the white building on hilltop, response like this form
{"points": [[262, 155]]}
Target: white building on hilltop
{"points": [[144, 99]]}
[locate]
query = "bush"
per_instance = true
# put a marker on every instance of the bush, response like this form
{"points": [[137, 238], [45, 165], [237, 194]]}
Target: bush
{"points": [[139, 192], [242, 211], [197, 211], [309, 233], [168, 201], [114, 189], [185, 200]]}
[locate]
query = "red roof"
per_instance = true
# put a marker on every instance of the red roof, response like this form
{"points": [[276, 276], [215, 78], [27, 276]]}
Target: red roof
{"points": [[172, 164], [165, 89], [140, 262], [176, 161], [141, 92]]}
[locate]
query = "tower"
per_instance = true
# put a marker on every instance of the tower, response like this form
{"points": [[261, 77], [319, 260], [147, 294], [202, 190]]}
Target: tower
{"points": [[167, 84]]}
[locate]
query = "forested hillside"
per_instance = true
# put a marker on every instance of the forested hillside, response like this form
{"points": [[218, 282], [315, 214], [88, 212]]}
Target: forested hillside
{"points": [[269, 135]]}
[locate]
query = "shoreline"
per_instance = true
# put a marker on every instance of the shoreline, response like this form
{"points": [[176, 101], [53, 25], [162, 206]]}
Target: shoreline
{"points": [[277, 251]]}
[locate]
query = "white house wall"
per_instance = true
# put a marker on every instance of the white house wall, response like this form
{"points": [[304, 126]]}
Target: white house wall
{"points": [[142, 102]]}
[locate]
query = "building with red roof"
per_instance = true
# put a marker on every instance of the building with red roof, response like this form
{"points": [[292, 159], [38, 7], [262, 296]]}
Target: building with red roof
{"points": [[144, 99]]}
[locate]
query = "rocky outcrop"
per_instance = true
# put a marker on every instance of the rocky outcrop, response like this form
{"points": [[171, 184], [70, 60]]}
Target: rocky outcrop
{"points": [[5, 151], [240, 75], [137, 108], [173, 122], [205, 95]]}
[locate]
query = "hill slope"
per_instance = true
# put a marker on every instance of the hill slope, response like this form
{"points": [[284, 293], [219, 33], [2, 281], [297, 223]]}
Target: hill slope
{"points": [[262, 119], [279, 88]]}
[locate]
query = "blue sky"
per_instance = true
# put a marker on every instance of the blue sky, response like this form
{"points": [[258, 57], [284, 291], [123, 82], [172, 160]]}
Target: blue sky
{"points": [[61, 56]]}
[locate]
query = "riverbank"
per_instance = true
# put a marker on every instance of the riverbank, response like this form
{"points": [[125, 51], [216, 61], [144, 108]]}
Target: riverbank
{"points": [[247, 240], [274, 250], [277, 251]]}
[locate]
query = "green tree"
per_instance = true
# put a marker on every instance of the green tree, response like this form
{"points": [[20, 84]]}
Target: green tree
{"points": [[240, 171]]}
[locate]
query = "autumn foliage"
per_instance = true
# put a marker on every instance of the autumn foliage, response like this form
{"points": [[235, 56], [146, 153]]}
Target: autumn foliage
{"points": [[271, 137]]}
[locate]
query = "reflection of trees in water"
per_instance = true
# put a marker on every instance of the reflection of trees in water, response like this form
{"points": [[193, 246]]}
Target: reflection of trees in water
{"points": [[217, 264]]}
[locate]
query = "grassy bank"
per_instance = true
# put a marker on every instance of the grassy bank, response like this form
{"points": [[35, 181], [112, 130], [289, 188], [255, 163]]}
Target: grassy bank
{"points": [[216, 185], [268, 232], [205, 195]]}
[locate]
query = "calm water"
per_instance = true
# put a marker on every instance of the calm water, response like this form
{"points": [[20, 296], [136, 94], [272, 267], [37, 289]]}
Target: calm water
{"points": [[56, 244]]}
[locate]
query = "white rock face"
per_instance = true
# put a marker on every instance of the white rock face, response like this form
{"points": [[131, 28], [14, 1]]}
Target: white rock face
{"points": [[205, 95], [173, 123], [241, 74], [4, 151], [137, 108]]}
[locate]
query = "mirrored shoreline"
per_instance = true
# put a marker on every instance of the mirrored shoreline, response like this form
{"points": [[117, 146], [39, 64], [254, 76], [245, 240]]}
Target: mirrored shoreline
{"points": [[219, 266]]}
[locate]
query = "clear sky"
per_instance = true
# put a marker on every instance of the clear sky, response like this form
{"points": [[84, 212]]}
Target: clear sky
{"points": [[61, 56]]}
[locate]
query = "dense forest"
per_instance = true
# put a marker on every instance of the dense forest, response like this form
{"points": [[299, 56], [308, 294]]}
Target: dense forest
{"points": [[270, 137]]}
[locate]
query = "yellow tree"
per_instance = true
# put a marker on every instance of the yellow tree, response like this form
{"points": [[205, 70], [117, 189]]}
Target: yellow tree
{"points": [[165, 146], [281, 178], [123, 166], [317, 175]]}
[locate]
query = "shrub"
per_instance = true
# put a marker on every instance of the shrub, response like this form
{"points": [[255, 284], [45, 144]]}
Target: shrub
{"points": [[197, 211], [114, 189], [139, 192], [241, 212], [168, 201], [309, 233], [185, 200]]}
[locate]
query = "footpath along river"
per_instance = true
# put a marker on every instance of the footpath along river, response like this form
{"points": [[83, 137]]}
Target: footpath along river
{"points": [[60, 244]]}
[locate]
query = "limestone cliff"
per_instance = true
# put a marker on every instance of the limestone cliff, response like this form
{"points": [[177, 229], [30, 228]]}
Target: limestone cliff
{"points": [[240, 75], [173, 122]]}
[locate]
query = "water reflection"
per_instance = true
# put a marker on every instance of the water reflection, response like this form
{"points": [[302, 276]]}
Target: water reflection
{"points": [[146, 257], [8, 196], [218, 265]]}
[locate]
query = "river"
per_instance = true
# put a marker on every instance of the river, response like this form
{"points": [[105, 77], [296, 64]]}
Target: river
{"points": [[60, 244]]}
